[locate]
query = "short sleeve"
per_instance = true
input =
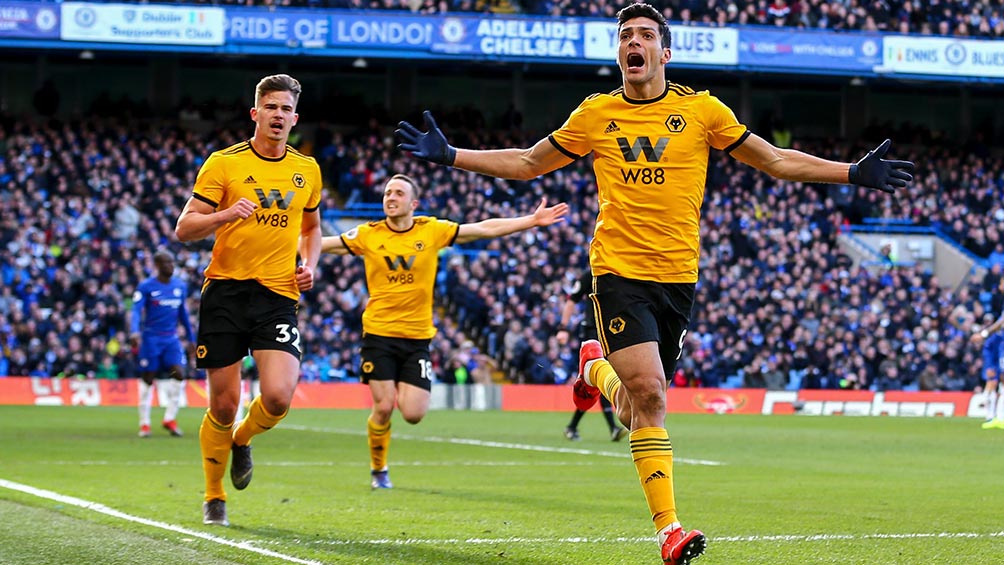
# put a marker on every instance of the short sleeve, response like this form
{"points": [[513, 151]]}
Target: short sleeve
{"points": [[211, 181], [355, 239], [446, 232], [572, 138], [316, 187], [723, 129]]}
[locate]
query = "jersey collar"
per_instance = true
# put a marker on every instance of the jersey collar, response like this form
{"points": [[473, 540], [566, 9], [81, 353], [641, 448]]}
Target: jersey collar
{"points": [[630, 100], [264, 158]]}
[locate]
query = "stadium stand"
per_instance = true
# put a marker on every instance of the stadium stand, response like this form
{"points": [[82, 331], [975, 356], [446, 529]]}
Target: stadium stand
{"points": [[85, 203]]}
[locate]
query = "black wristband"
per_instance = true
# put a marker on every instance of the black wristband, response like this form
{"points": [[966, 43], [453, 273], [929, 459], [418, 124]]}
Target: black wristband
{"points": [[852, 174]]}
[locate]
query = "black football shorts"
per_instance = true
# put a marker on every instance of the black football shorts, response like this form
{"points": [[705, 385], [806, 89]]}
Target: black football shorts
{"points": [[629, 312], [396, 359], [238, 317]]}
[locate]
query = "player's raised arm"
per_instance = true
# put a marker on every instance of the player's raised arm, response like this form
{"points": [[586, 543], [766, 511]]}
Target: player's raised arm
{"points": [[871, 171], [333, 244], [497, 227], [520, 164]]}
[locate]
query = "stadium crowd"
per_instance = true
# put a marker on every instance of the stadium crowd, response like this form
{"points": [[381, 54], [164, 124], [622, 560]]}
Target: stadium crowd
{"points": [[979, 19], [85, 204]]}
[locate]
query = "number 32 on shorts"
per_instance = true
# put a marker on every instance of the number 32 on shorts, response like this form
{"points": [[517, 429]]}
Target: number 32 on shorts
{"points": [[287, 334]]}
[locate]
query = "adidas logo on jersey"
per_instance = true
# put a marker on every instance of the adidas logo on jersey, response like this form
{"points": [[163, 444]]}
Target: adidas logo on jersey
{"points": [[612, 127], [250, 180]]}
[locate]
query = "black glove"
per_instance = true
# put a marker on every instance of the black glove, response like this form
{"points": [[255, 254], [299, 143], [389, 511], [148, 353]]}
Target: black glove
{"points": [[875, 172], [431, 146]]}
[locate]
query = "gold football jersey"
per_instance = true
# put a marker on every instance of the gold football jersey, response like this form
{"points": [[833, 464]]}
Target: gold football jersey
{"points": [[262, 247], [651, 162], [401, 274]]}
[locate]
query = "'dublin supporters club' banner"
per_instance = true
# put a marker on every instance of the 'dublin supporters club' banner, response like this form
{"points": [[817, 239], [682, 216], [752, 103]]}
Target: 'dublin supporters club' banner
{"points": [[43, 391]]}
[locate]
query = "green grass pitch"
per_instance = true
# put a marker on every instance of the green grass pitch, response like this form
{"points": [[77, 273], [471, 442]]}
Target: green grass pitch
{"points": [[78, 486]]}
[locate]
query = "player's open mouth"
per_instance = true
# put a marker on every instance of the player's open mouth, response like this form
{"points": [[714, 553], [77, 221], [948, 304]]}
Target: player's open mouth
{"points": [[277, 126], [635, 60]]}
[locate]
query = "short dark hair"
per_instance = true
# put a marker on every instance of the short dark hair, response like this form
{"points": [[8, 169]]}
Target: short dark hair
{"points": [[643, 10], [163, 255], [277, 83], [416, 191]]}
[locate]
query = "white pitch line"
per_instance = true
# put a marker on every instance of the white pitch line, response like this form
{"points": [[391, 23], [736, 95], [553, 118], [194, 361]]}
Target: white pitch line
{"points": [[194, 463], [604, 540], [853, 537], [102, 509], [434, 464], [247, 546], [498, 444]]}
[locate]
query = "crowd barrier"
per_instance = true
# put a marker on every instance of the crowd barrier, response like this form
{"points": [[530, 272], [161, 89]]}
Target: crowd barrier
{"points": [[44, 391]]}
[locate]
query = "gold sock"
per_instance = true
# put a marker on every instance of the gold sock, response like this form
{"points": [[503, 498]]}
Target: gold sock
{"points": [[605, 378], [379, 440], [257, 421], [653, 459], [214, 442]]}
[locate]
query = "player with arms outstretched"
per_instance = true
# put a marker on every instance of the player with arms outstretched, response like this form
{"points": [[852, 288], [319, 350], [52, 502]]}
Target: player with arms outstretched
{"points": [[401, 256], [650, 141]]}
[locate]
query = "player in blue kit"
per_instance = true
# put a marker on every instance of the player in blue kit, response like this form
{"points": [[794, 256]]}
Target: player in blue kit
{"points": [[158, 306], [993, 343]]}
